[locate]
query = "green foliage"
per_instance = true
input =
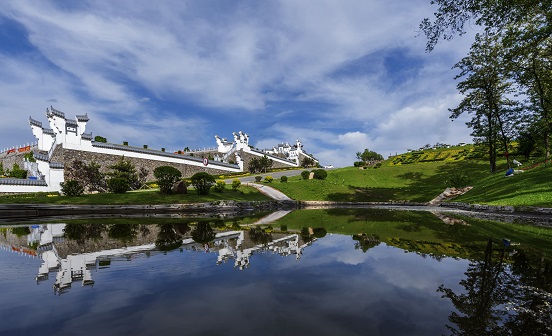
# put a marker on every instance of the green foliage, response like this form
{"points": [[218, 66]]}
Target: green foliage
{"points": [[283, 179], [202, 182], [203, 233], [145, 146], [98, 138], [526, 144], [308, 162], [269, 179], [236, 184], [125, 169], [259, 165], [71, 188], [320, 174], [219, 186], [29, 156], [457, 180], [17, 172], [283, 228], [368, 156], [117, 185], [305, 174], [88, 175], [1, 169], [258, 178], [166, 177]]}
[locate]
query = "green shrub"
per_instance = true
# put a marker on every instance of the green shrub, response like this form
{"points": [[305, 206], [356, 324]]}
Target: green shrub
{"points": [[320, 174], [305, 174], [202, 182], [118, 185], [17, 172], [283, 179], [236, 184], [258, 178], [166, 177], [269, 179], [71, 188], [283, 228], [457, 180], [219, 186]]}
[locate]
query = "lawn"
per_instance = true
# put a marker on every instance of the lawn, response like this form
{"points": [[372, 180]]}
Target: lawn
{"points": [[151, 196], [419, 182], [531, 188]]}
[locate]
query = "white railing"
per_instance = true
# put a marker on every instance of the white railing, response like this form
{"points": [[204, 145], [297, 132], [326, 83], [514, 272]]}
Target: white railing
{"points": [[32, 168]]}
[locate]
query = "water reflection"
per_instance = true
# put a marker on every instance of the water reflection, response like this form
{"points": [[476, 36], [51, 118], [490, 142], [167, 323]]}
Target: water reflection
{"points": [[371, 272], [71, 251]]}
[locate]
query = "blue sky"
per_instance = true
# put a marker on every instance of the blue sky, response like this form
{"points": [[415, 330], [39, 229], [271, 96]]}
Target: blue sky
{"points": [[340, 76]]}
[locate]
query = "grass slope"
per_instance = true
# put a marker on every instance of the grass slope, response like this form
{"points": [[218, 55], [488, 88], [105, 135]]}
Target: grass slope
{"points": [[531, 188], [419, 182]]}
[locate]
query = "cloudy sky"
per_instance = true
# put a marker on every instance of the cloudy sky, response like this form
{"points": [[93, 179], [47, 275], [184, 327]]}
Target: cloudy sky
{"points": [[340, 76]]}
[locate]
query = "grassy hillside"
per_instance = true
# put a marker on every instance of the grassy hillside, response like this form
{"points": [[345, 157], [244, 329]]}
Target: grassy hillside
{"points": [[531, 188], [418, 182]]}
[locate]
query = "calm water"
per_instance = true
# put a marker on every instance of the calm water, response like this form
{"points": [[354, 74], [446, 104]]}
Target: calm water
{"points": [[400, 277]]}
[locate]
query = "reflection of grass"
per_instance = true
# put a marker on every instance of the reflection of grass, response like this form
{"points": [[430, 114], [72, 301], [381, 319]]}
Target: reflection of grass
{"points": [[422, 231], [414, 182], [140, 197], [531, 188]]}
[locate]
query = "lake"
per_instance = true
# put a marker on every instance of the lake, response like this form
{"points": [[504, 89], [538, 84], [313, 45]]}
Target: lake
{"points": [[307, 272]]}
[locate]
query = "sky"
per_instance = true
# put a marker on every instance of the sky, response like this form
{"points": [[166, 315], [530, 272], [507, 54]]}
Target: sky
{"points": [[340, 76]]}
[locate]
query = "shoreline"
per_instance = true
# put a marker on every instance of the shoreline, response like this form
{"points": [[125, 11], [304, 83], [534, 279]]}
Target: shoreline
{"points": [[36, 211]]}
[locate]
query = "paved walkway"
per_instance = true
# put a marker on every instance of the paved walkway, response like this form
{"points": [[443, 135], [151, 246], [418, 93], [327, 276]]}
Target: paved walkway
{"points": [[270, 192]]}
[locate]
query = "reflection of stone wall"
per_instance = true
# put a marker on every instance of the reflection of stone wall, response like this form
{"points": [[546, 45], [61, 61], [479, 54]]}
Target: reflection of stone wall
{"points": [[66, 156]]}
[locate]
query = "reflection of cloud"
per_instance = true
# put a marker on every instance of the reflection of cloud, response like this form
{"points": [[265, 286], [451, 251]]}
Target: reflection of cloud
{"points": [[326, 292]]}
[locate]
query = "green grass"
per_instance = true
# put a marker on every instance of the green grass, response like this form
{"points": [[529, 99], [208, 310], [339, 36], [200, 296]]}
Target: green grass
{"points": [[151, 196], [414, 182], [531, 188]]}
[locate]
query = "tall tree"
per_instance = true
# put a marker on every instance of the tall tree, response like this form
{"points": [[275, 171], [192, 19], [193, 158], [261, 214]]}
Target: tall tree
{"points": [[485, 96]]}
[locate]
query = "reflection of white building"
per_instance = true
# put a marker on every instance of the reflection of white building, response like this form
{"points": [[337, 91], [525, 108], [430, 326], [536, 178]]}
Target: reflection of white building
{"points": [[77, 267]]}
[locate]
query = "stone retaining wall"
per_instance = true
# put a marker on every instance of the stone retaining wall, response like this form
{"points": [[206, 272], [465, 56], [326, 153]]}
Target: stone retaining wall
{"points": [[67, 156], [247, 157], [10, 159]]}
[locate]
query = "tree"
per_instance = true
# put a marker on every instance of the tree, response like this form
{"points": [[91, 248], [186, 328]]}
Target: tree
{"points": [[166, 177], [167, 238], [308, 162], [203, 233], [118, 185], [485, 93], [88, 175], [1, 169], [17, 172], [258, 165], [368, 156], [526, 144], [493, 15], [71, 188], [202, 182], [125, 169]]}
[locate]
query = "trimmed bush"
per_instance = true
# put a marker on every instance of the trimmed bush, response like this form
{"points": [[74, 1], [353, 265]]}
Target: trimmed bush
{"points": [[320, 174], [283, 179], [457, 180], [71, 188], [305, 174], [219, 186], [118, 185], [166, 177], [17, 172], [236, 184], [258, 178], [269, 179], [202, 182]]}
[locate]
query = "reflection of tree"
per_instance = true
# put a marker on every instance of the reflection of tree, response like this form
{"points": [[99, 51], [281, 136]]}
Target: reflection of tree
{"points": [[167, 238], [203, 233], [81, 232], [499, 302], [123, 232], [366, 242], [259, 236]]}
